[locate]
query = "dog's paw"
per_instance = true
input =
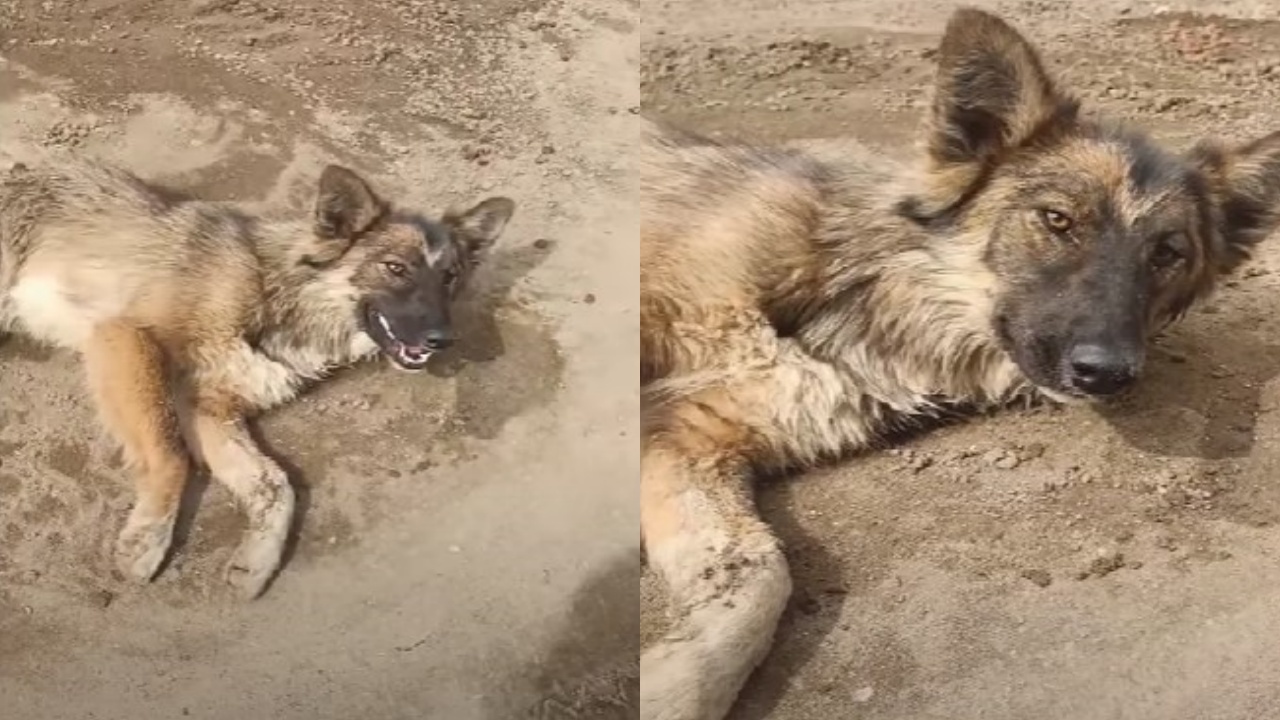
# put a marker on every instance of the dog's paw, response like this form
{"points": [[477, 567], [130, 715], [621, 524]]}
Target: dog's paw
{"points": [[674, 683], [254, 563], [142, 545], [256, 560]]}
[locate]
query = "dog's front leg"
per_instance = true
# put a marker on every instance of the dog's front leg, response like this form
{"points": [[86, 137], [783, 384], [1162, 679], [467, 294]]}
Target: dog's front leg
{"points": [[220, 435], [724, 568]]}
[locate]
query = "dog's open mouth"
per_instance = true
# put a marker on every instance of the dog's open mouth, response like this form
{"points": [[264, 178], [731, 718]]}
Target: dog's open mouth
{"points": [[406, 355]]}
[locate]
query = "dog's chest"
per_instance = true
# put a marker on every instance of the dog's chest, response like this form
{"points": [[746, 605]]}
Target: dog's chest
{"points": [[314, 361], [272, 372]]}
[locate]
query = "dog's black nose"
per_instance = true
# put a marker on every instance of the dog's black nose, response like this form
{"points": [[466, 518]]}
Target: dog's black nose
{"points": [[1098, 370], [438, 339]]}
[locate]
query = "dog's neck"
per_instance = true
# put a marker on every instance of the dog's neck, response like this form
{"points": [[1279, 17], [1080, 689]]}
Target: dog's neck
{"points": [[305, 307], [912, 322]]}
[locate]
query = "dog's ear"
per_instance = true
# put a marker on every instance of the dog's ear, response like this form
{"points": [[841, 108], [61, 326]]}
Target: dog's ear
{"points": [[991, 95], [1244, 188], [345, 207], [482, 225]]}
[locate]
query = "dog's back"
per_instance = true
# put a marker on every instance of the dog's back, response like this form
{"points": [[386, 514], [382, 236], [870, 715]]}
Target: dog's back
{"points": [[740, 233], [723, 221], [82, 242], [724, 229]]}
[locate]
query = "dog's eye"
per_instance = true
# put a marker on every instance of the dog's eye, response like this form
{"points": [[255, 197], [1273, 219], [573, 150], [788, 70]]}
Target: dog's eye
{"points": [[395, 268], [1057, 222], [1166, 252]]}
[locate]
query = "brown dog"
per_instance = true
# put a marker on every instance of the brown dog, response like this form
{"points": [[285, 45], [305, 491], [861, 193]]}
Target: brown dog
{"points": [[191, 317], [794, 310]]}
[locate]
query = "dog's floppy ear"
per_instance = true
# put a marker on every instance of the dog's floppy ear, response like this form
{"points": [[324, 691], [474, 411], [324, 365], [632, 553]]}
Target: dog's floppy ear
{"points": [[991, 95], [1244, 187], [481, 225], [345, 207]]}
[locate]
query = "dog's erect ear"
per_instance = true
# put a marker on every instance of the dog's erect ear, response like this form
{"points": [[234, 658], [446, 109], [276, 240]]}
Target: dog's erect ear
{"points": [[481, 225], [992, 92], [1244, 185], [345, 207], [991, 95]]}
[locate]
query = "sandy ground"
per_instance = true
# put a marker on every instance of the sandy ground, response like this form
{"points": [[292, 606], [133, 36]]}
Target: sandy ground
{"points": [[468, 545], [1083, 563]]}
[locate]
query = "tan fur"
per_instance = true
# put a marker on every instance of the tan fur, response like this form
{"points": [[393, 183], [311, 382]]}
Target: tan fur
{"points": [[192, 316], [127, 375], [794, 311]]}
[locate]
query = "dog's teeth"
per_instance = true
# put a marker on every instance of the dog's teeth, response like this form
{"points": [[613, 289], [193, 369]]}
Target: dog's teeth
{"points": [[382, 320]]}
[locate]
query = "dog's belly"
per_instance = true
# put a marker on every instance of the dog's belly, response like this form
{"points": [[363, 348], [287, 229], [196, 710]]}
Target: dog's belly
{"points": [[42, 307]]}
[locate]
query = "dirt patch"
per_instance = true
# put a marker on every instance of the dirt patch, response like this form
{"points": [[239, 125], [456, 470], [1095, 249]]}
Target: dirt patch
{"points": [[1007, 567], [595, 671]]}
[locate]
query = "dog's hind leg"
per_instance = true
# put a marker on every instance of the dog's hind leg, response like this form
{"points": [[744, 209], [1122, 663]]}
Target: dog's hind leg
{"points": [[726, 574], [128, 377]]}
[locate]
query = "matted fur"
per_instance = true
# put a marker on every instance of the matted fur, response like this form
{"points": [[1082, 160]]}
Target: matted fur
{"points": [[191, 317], [793, 311]]}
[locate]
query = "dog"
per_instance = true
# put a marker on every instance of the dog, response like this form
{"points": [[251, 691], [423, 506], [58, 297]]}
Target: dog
{"points": [[190, 317], [794, 311]]}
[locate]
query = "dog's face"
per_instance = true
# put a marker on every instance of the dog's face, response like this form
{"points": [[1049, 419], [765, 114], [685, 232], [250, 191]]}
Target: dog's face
{"points": [[406, 269], [1094, 236]]}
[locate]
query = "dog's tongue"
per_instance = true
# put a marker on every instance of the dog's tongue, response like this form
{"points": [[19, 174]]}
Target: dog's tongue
{"points": [[413, 351]]}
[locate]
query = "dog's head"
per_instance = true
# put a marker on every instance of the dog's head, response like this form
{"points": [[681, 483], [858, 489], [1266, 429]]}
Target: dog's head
{"points": [[1093, 236], [405, 269]]}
